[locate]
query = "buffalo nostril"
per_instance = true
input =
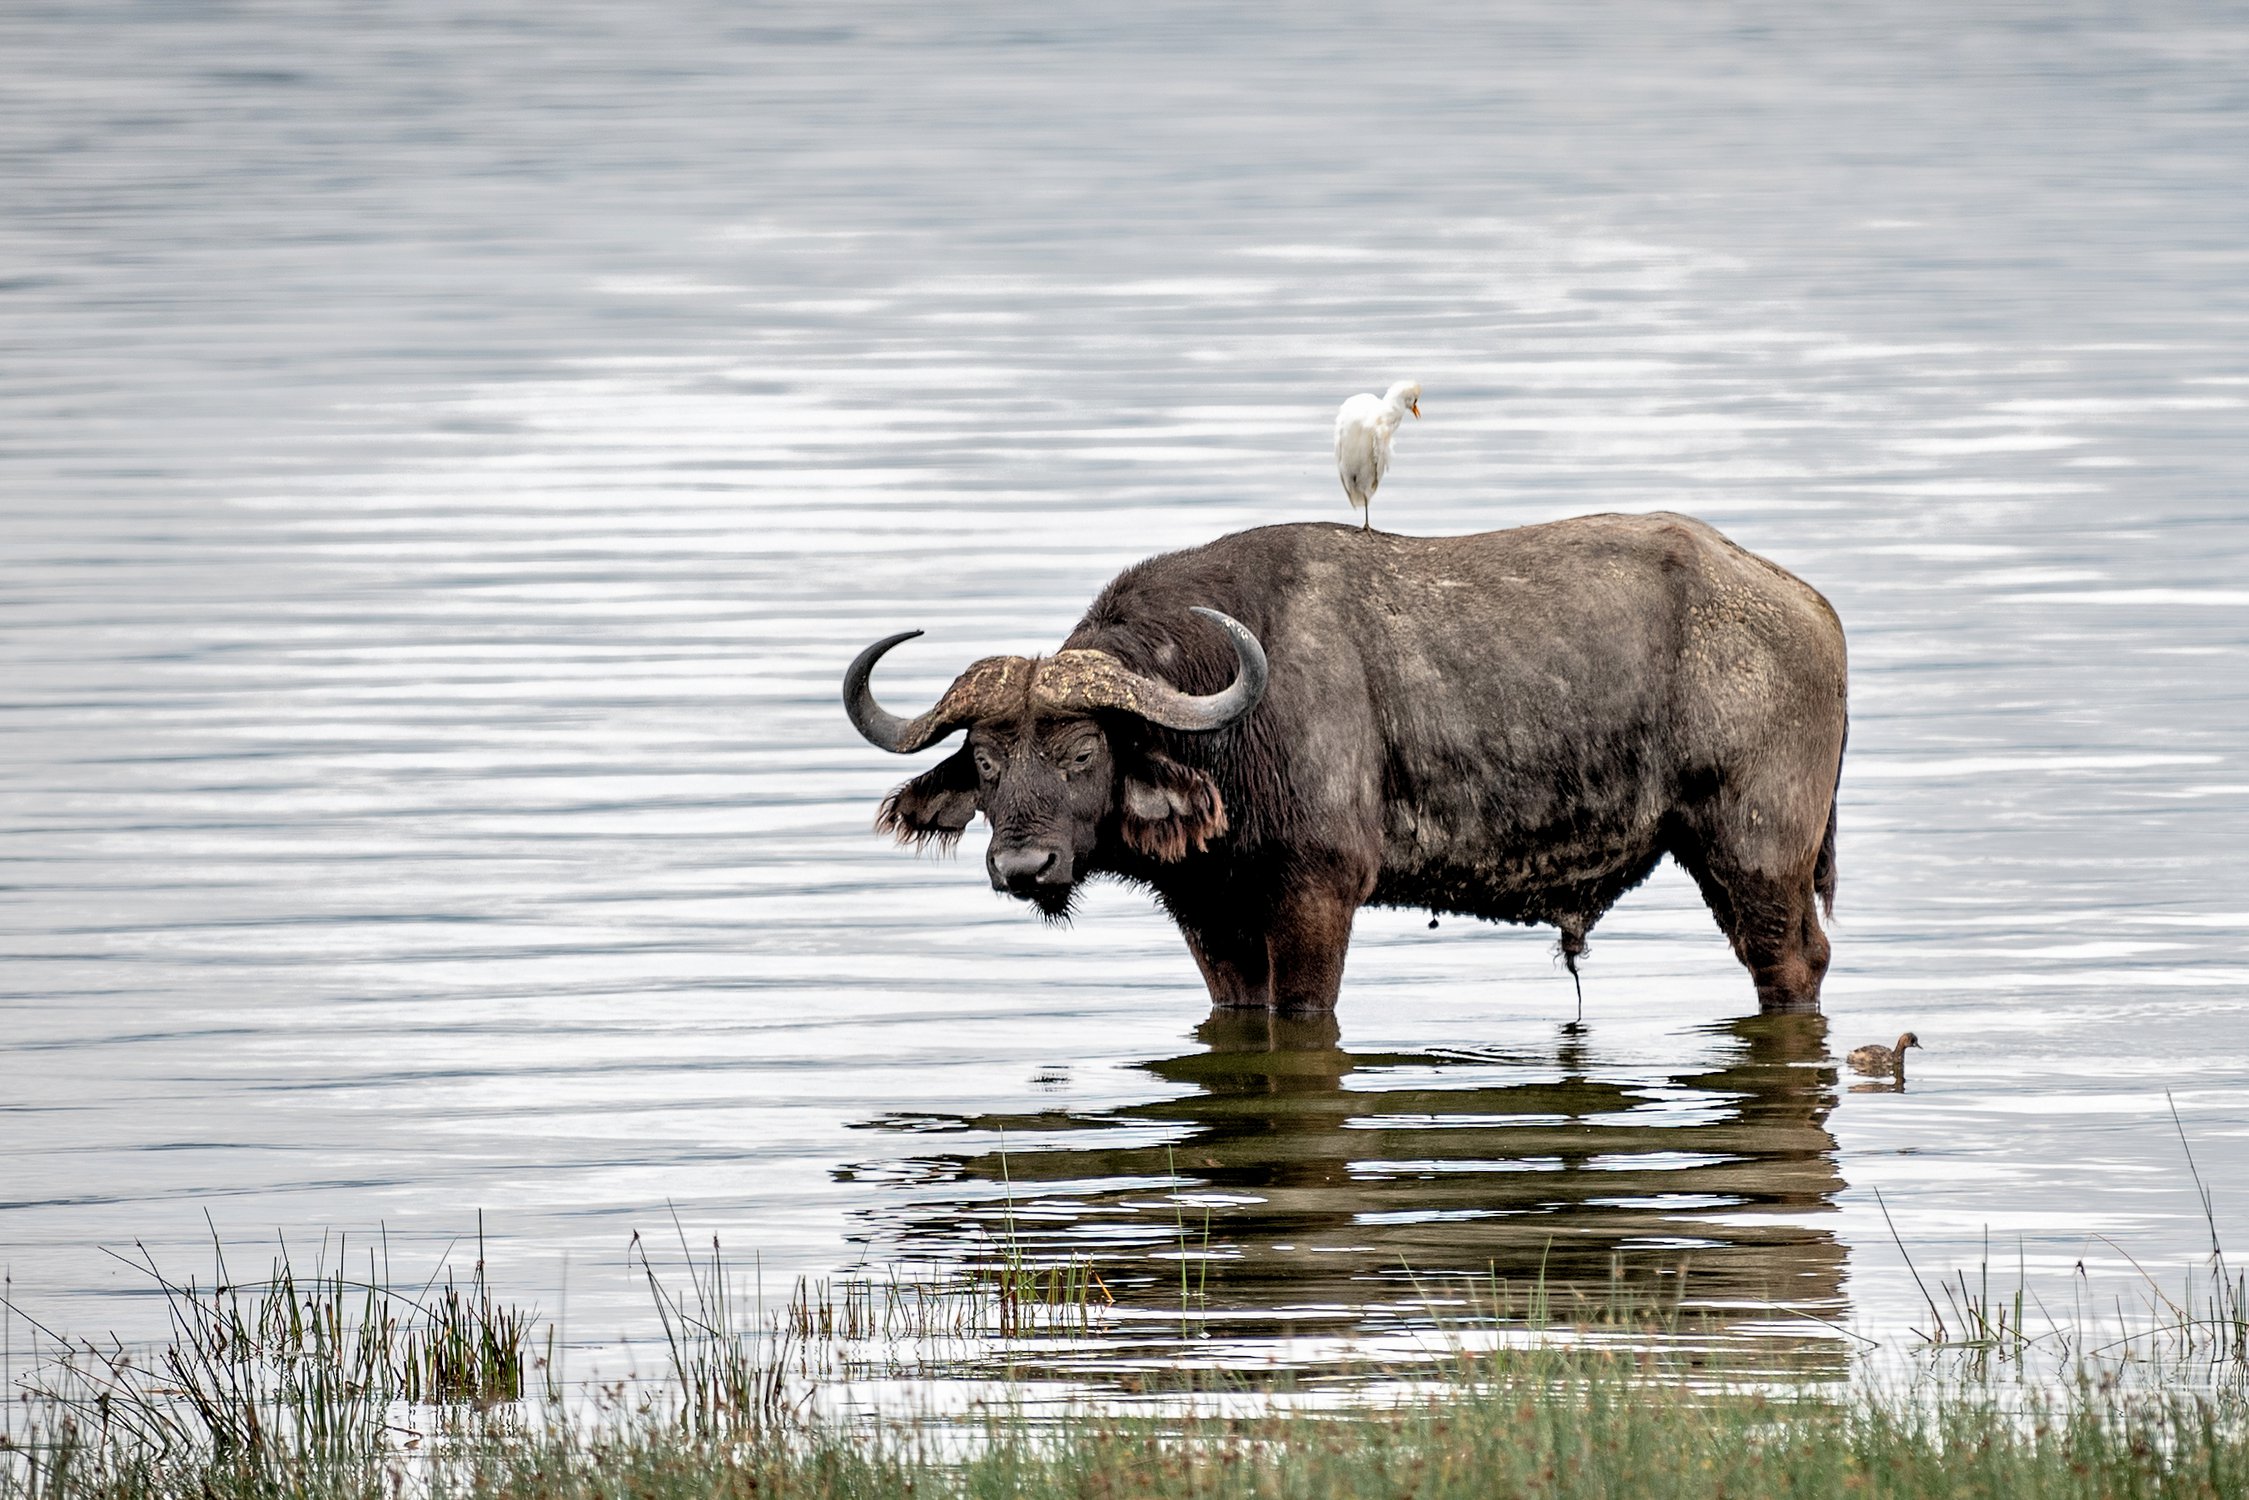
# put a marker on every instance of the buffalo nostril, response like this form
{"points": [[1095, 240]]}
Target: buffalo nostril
{"points": [[1014, 869]]}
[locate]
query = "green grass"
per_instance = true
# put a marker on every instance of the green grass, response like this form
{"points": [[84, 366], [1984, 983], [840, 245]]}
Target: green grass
{"points": [[338, 1387], [1534, 1425], [310, 1364]]}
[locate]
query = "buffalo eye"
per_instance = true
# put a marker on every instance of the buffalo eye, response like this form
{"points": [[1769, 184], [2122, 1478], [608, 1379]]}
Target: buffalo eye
{"points": [[987, 764]]}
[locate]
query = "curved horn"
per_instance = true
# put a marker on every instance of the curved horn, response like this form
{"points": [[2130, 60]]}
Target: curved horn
{"points": [[883, 729], [979, 691], [1234, 701], [1095, 679]]}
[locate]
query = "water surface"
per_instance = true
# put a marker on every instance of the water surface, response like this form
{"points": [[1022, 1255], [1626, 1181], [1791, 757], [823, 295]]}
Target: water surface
{"points": [[449, 456]]}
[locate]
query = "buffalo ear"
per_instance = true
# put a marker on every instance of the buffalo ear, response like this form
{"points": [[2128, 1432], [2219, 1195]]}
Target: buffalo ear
{"points": [[1169, 808], [935, 806]]}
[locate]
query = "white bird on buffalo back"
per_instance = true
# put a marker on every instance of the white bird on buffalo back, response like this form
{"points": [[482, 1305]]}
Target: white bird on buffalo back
{"points": [[1363, 429]]}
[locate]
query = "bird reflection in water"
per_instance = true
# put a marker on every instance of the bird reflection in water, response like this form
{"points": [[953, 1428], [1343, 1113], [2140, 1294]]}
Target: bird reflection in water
{"points": [[1340, 1193]]}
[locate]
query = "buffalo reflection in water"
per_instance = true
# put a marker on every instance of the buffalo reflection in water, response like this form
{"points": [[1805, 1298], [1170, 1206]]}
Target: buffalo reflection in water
{"points": [[1329, 1189]]}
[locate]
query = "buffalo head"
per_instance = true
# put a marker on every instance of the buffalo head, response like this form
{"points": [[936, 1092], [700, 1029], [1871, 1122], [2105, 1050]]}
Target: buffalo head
{"points": [[1053, 761]]}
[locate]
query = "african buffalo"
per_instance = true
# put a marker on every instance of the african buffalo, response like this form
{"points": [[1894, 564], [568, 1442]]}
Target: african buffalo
{"points": [[1276, 729]]}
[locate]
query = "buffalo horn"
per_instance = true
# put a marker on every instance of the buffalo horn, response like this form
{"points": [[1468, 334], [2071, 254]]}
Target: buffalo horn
{"points": [[984, 689], [1085, 679]]}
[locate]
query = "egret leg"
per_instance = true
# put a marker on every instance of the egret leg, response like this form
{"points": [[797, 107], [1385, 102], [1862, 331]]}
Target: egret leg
{"points": [[1366, 519]]}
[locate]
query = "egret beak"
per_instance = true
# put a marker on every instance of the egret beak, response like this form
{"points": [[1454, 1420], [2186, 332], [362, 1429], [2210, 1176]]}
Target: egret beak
{"points": [[1415, 408]]}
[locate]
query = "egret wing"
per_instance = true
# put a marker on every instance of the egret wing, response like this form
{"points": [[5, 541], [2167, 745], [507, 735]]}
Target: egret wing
{"points": [[1358, 462]]}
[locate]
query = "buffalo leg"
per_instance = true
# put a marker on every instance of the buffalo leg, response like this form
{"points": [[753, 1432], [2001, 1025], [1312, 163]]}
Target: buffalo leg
{"points": [[1773, 924], [1311, 933], [1236, 969], [1784, 948]]}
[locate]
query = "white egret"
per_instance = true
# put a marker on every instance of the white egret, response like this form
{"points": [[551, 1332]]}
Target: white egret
{"points": [[1363, 429]]}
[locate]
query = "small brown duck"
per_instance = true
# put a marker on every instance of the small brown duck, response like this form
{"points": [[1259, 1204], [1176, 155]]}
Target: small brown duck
{"points": [[1878, 1061]]}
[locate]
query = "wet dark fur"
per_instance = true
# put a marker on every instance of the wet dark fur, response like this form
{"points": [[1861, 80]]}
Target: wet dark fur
{"points": [[1516, 726]]}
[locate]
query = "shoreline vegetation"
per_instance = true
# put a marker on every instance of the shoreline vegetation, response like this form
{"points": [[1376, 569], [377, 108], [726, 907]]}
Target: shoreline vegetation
{"points": [[343, 1383]]}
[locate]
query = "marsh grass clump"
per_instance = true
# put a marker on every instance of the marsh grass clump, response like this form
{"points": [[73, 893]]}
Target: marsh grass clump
{"points": [[315, 1365], [725, 1379], [1013, 1298], [737, 1367], [464, 1347], [2199, 1325], [2197, 1331]]}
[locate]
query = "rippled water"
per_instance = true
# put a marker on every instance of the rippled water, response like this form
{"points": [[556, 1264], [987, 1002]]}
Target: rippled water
{"points": [[449, 455]]}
